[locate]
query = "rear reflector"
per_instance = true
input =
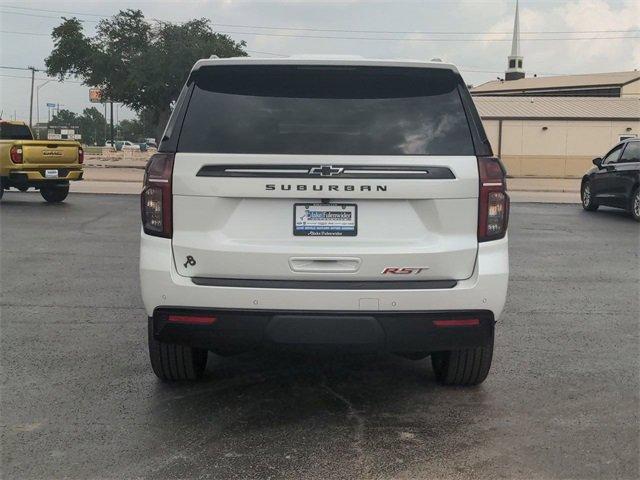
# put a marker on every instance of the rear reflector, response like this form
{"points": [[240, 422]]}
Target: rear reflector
{"points": [[459, 322], [192, 319]]}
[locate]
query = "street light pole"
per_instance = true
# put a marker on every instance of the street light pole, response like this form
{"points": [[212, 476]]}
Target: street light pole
{"points": [[33, 77], [38, 104]]}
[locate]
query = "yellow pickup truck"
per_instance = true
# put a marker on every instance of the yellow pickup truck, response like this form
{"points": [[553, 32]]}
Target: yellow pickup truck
{"points": [[46, 165]]}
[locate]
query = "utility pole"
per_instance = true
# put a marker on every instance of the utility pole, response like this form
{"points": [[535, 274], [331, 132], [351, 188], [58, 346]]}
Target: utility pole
{"points": [[33, 77], [112, 144]]}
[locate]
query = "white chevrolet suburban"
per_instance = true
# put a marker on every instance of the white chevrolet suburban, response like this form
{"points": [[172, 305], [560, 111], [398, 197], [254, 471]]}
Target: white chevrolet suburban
{"points": [[314, 203]]}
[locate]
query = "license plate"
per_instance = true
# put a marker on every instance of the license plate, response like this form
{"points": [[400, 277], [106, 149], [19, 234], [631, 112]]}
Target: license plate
{"points": [[325, 219], [51, 174]]}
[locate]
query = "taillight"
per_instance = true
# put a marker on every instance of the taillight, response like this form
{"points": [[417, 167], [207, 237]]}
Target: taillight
{"points": [[16, 154], [156, 196], [80, 155], [493, 202]]}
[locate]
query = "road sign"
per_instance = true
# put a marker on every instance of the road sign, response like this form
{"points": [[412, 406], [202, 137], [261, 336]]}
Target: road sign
{"points": [[51, 105], [95, 95]]}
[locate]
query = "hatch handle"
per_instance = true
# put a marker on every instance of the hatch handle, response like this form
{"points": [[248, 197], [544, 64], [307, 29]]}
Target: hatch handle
{"points": [[325, 264]]}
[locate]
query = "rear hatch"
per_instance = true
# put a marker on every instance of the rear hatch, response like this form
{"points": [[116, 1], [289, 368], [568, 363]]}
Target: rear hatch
{"points": [[325, 173], [49, 152]]}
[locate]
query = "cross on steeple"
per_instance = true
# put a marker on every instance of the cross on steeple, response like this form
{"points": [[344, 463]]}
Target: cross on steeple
{"points": [[515, 70]]}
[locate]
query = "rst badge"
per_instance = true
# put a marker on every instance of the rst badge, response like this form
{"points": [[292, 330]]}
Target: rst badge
{"points": [[403, 270]]}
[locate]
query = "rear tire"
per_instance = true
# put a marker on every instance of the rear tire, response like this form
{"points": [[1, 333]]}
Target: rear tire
{"points": [[635, 205], [54, 193], [172, 362], [1, 191], [463, 367], [588, 202]]}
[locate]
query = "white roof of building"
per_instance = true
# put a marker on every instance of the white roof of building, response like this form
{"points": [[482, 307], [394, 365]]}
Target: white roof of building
{"points": [[614, 79], [588, 108]]}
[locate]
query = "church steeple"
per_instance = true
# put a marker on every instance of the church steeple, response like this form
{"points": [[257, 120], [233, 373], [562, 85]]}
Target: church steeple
{"points": [[515, 70]]}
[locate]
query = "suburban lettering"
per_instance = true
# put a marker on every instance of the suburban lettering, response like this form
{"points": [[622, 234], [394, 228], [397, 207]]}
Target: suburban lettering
{"points": [[332, 188]]}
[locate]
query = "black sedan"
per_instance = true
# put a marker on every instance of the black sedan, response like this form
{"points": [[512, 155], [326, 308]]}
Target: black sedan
{"points": [[614, 181]]}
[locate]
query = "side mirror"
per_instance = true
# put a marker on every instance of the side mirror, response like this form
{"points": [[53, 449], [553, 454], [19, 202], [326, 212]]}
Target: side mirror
{"points": [[597, 162]]}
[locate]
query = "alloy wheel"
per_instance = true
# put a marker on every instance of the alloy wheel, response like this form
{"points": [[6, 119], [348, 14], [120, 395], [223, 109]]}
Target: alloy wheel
{"points": [[586, 195]]}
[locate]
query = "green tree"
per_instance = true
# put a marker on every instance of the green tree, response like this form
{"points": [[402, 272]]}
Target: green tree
{"points": [[136, 62], [64, 118], [91, 124], [132, 130]]}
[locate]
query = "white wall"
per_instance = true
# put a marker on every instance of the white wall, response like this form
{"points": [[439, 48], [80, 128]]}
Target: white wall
{"points": [[564, 148]]}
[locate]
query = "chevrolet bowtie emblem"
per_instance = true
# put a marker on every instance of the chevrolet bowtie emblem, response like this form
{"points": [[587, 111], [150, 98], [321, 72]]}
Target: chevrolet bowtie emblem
{"points": [[326, 171]]}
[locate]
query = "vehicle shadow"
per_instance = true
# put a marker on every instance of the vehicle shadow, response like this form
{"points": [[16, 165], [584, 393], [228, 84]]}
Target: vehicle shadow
{"points": [[615, 214], [360, 407], [30, 200]]}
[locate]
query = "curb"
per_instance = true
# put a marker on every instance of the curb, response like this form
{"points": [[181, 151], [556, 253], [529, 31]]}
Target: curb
{"points": [[541, 190]]}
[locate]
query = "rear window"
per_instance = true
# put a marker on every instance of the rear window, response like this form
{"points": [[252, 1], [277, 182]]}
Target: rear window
{"points": [[326, 111], [9, 131]]}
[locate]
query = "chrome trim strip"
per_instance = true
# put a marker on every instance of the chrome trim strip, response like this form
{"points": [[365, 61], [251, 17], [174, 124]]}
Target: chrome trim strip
{"points": [[310, 172]]}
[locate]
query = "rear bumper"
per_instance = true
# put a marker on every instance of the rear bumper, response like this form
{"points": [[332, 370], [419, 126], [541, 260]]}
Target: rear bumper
{"points": [[38, 175], [230, 330]]}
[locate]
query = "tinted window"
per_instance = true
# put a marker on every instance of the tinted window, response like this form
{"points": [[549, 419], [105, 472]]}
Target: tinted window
{"points": [[631, 153], [324, 110], [613, 155], [9, 131]]}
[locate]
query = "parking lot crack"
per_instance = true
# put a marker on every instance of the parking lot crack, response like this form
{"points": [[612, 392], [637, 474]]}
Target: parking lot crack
{"points": [[355, 416]]}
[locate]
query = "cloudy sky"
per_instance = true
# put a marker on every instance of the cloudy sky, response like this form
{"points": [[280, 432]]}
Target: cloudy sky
{"points": [[559, 36]]}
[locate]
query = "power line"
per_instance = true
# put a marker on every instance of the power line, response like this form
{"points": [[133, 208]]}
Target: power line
{"points": [[26, 33], [17, 76], [419, 32], [41, 78], [40, 16], [389, 39], [475, 40], [56, 11], [309, 29], [266, 53], [14, 68], [22, 68], [36, 78]]}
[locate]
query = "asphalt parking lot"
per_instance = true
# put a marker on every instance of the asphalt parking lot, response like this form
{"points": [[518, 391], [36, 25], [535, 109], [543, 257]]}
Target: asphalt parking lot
{"points": [[79, 399]]}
